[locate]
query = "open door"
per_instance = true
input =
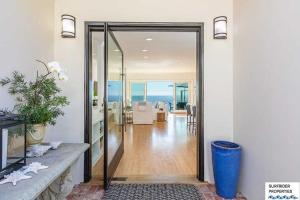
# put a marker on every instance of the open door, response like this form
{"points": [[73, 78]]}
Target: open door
{"points": [[113, 85], [114, 121]]}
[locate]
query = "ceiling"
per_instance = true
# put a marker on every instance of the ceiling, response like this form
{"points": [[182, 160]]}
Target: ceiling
{"points": [[158, 52]]}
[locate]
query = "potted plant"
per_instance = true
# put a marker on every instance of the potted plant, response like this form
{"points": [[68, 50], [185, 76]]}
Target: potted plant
{"points": [[37, 102]]}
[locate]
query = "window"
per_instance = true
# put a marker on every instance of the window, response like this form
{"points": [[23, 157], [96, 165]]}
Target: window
{"points": [[174, 94], [160, 91], [137, 91]]}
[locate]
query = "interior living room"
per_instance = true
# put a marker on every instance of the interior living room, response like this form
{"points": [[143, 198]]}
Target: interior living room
{"points": [[160, 74], [159, 104], [70, 129]]}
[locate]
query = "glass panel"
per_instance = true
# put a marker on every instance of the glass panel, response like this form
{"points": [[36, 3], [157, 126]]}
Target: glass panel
{"points": [[160, 92], [97, 94], [13, 141], [137, 91], [115, 99], [114, 88], [181, 95]]}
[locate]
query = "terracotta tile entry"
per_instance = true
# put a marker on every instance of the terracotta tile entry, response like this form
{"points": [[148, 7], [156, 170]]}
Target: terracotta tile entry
{"points": [[86, 192]]}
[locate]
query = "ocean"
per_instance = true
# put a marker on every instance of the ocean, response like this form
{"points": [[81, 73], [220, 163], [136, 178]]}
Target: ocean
{"points": [[154, 99]]}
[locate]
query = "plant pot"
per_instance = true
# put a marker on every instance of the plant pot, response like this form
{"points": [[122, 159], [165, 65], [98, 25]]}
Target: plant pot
{"points": [[226, 157], [36, 135]]}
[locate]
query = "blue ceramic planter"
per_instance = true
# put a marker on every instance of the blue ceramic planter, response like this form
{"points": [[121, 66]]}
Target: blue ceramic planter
{"points": [[226, 158]]}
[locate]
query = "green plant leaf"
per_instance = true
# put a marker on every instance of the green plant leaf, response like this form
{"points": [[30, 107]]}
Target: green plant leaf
{"points": [[37, 102]]}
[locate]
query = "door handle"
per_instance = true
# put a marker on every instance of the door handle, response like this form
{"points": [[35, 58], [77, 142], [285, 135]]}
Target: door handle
{"points": [[124, 121]]}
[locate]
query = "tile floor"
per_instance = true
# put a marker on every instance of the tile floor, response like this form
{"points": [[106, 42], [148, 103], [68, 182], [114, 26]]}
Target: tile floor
{"points": [[92, 192], [209, 192]]}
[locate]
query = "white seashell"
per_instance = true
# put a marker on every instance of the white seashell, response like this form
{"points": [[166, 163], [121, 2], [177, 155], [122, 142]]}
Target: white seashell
{"points": [[37, 150], [55, 145], [34, 167], [14, 177]]}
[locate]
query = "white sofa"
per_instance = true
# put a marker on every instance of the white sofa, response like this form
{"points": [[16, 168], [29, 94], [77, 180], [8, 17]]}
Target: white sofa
{"points": [[114, 112], [142, 113]]}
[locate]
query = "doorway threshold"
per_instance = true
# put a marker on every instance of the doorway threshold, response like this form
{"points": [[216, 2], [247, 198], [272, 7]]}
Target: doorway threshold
{"points": [[157, 179]]}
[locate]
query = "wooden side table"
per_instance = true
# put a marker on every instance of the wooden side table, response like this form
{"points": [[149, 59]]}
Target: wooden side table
{"points": [[161, 116]]}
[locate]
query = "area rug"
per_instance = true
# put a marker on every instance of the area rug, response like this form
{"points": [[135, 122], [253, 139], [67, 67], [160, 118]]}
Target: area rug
{"points": [[153, 192]]}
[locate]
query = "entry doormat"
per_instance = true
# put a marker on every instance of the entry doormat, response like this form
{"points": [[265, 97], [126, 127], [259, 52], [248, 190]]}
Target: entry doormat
{"points": [[153, 192]]}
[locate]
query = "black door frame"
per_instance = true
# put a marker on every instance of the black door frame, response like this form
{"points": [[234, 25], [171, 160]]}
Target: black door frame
{"points": [[148, 27]]}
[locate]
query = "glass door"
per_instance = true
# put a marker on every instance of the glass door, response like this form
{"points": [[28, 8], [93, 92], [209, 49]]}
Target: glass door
{"points": [[96, 94], [181, 95], [114, 125]]}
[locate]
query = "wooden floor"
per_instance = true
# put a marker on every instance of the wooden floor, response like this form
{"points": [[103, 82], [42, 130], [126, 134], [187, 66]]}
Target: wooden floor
{"points": [[98, 173], [163, 149]]}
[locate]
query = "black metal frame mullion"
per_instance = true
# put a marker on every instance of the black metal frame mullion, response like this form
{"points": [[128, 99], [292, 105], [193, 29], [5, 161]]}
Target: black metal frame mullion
{"points": [[154, 27]]}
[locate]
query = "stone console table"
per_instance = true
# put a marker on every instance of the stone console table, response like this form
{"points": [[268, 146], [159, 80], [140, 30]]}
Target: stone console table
{"points": [[52, 183]]}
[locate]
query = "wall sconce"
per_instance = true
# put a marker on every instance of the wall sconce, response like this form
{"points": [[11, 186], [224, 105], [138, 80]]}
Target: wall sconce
{"points": [[68, 26], [220, 27]]}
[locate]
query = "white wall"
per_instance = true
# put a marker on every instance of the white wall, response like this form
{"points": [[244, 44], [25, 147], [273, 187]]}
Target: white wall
{"points": [[267, 111], [218, 58], [26, 34]]}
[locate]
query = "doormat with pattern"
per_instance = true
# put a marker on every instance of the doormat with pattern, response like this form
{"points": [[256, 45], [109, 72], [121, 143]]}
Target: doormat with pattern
{"points": [[153, 192]]}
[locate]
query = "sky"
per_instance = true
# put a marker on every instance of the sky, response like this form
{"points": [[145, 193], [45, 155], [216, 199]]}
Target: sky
{"points": [[159, 88], [154, 88], [114, 88]]}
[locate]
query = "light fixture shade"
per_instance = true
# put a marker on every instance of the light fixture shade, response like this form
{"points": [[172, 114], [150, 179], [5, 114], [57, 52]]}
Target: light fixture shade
{"points": [[220, 27], [68, 26]]}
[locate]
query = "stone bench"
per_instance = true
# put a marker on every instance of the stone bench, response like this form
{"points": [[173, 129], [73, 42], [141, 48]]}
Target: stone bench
{"points": [[52, 183]]}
